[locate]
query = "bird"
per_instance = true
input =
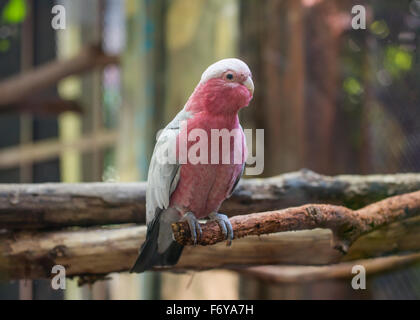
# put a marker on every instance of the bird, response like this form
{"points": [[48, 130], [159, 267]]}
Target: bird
{"points": [[187, 189]]}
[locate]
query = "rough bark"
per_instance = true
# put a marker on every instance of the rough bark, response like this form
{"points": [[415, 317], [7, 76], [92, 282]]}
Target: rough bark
{"points": [[25, 206], [346, 224], [99, 251], [30, 206]]}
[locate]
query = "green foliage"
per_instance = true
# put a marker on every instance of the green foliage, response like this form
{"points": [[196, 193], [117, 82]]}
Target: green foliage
{"points": [[4, 45], [397, 60], [379, 28], [14, 12], [352, 86]]}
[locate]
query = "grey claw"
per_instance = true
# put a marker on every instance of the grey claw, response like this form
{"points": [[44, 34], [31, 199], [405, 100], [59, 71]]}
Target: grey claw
{"points": [[225, 225], [222, 226], [194, 226], [200, 231]]}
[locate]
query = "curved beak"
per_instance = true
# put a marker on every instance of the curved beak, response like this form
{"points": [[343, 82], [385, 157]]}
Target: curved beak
{"points": [[249, 84]]}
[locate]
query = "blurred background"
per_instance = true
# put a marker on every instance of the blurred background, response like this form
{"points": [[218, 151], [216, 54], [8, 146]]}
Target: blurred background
{"points": [[330, 98]]}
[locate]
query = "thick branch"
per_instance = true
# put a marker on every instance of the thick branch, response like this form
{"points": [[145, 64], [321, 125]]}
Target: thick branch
{"points": [[43, 106], [99, 251], [20, 87], [347, 225], [60, 205], [298, 274], [25, 206], [47, 149]]}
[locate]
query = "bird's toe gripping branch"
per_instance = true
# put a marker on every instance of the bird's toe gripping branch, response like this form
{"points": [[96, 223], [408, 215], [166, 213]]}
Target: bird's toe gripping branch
{"points": [[225, 225], [194, 225]]}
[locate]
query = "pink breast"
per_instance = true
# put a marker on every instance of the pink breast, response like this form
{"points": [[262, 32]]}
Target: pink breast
{"points": [[203, 187]]}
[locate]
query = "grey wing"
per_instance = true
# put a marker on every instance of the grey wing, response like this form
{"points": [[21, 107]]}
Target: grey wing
{"points": [[238, 178], [164, 172]]}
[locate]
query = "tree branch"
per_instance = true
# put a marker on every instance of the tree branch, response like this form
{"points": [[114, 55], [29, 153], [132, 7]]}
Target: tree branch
{"points": [[22, 86], [99, 251], [347, 225], [43, 106], [30, 206], [372, 231], [40, 151], [299, 274]]}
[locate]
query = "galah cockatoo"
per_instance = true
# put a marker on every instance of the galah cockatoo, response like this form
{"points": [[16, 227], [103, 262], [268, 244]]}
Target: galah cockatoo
{"points": [[189, 190]]}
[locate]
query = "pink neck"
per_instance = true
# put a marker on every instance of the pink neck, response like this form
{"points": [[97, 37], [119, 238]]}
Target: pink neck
{"points": [[217, 99]]}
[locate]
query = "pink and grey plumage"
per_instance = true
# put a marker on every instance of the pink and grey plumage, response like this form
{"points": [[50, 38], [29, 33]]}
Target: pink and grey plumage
{"points": [[194, 191]]}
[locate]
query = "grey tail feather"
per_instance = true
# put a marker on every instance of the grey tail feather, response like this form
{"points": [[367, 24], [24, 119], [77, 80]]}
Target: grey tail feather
{"points": [[149, 255]]}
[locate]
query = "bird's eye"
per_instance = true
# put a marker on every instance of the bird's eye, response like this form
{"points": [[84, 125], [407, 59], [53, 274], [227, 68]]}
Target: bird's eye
{"points": [[229, 76]]}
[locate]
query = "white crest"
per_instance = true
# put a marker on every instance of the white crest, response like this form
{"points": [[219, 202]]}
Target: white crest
{"points": [[218, 68]]}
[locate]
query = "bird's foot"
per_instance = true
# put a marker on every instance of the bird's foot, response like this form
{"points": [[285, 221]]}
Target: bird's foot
{"points": [[224, 224], [194, 226]]}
